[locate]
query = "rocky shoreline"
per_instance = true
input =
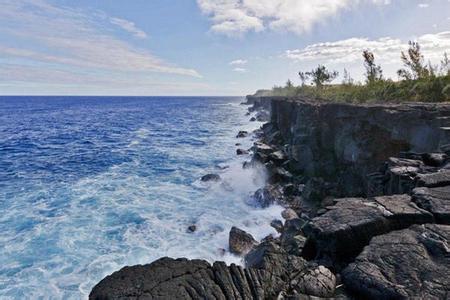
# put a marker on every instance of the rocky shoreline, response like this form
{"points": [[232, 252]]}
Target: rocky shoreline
{"points": [[366, 191]]}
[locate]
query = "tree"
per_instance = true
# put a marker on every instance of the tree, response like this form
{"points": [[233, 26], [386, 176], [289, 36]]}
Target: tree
{"points": [[445, 65], [374, 72], [321, 75], [289, 84], [348, 80], [303, 77], [413, 61]]}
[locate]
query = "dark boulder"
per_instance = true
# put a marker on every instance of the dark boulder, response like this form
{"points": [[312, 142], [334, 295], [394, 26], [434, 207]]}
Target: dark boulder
{"points": [[289, 214], [268, 195], [342, 232], [210, 177], [168, 278], [413, 263], [434, 159], [241, 242], [253, 119], [277, 225], [241, 152], [242, 134], [192, 228], [435, 200]]}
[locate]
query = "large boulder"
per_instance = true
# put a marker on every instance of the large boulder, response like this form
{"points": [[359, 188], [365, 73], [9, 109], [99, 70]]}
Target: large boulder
{"points": [[342, 232], [268, 195], [435, 200], [436, 179], [210, 177], [241, 242], [412, 263], [187, 279]]}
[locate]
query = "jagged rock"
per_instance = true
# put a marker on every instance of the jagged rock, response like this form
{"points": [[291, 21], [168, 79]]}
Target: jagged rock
{"points": [[434, 159], [210, 177], [434, 179], [263, 116], [242, 134], [319, 282], [268, 195], [241, 242], [342, 232], [315, 190], [278, 157], [262, 148], [241, 152], [434, 200], [168, 278], [253, 119], [277, 225], [292, 239], [280, 174], [289, 214], [412, 263]]}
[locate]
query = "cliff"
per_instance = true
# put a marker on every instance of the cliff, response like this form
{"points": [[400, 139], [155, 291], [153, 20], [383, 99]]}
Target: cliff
{"points": [[347, 144]]}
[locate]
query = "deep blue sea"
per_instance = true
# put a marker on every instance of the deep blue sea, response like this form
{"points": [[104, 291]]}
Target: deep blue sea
{"points": [[91, 184]]}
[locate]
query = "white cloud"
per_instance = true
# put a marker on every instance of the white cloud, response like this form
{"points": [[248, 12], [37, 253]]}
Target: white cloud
{"points": [[387, 50], [240, 70], [423, 5], [129, 26], [72, 43], [238, 62], [235, 17]]}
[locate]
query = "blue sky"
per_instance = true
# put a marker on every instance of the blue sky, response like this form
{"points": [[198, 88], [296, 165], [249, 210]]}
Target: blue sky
{"points": [[203, 47]]}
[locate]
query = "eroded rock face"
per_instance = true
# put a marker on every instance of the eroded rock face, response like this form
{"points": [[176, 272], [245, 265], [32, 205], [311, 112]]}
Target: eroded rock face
{"points": [[241, 242], [348, 226], [345, 143], [210, 177], [434, 200], [187, 279], [405, 264]]}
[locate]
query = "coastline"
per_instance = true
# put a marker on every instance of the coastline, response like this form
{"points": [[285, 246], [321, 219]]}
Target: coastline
{"points": [[318, 227]]}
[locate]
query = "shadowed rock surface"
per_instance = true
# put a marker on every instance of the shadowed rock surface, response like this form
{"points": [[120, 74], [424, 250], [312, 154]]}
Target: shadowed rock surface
{"points": [[411, 263], [240, 241], [342, 232], [436, 201]]}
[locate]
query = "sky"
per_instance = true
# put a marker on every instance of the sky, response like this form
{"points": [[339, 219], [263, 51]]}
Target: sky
{"points": [[204, 47]]}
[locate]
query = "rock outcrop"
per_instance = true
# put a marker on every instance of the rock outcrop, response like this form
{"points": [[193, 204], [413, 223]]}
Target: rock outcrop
{"points": [[413, 263]]}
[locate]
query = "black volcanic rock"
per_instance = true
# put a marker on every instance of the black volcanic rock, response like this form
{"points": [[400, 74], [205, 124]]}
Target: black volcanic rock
{"points": [[241, 152], [210, 177], [413, 263], [242, 134], [241, 242], [436, 179], [187, 279], [349, 225], [434, 159], [435, 200]]}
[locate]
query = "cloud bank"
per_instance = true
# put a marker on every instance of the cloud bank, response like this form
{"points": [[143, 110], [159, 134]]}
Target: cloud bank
{"points": [[235, 17], [69, 44]]}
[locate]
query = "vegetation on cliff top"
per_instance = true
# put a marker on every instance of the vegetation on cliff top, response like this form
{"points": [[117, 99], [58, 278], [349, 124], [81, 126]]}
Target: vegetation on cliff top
{"points": [[418, 81]]}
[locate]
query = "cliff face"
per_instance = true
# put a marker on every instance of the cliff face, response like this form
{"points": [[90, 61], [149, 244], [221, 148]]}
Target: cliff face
{"points": [[346, 144]]}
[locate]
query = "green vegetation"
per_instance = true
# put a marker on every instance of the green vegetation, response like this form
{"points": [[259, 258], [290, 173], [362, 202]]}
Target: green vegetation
{"points": [[418, 81]]}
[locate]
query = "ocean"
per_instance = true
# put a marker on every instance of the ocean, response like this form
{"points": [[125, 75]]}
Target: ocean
{"points": [[91, 184]]}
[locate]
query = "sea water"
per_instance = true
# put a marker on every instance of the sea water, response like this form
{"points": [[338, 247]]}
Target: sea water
{"points": [[91, 184]]}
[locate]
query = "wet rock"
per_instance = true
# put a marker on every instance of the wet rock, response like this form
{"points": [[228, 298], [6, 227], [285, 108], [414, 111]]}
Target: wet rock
{"points": [[268, 195], [289, 214], [412, 263], [292, 239], [210, 177], [241, 242], [434, 179], [277, 225], [192, 228], [253, 119], [242, 134], [263, 116], [238, 144], [434, 159], [168, 278], [354, 221], [262, 148], [241, 152], [435, 200]]}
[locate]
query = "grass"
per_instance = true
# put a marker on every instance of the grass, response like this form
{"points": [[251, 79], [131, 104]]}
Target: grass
{"points": [[430, 89]]}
